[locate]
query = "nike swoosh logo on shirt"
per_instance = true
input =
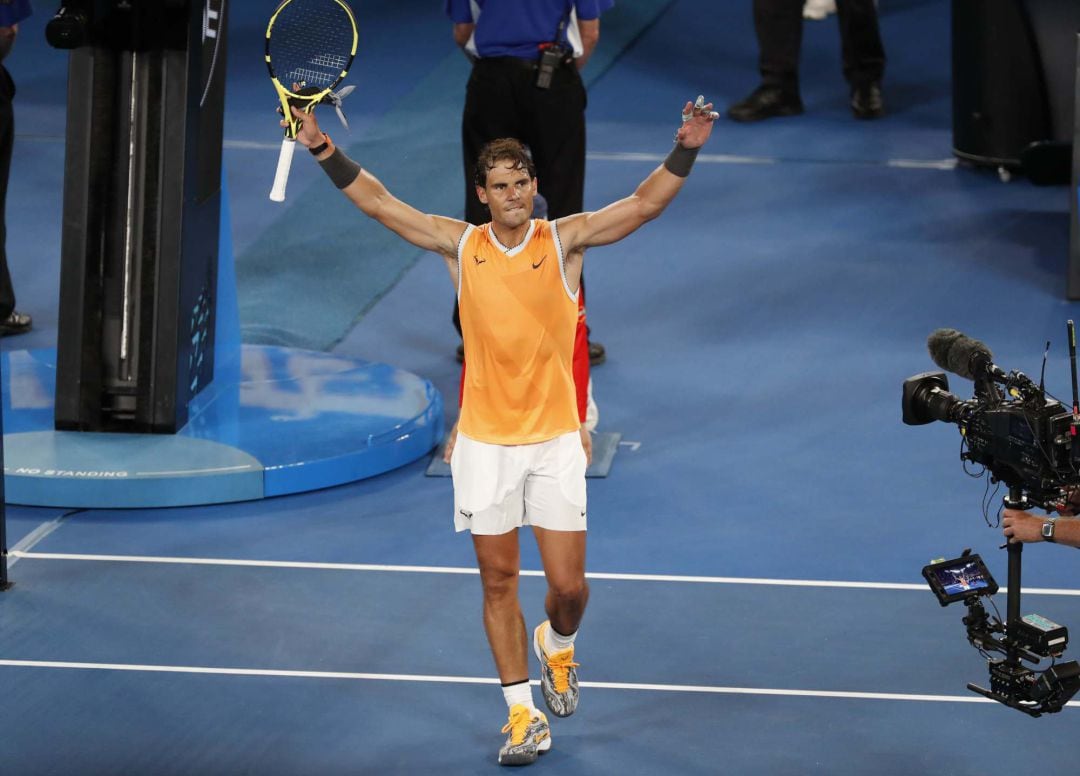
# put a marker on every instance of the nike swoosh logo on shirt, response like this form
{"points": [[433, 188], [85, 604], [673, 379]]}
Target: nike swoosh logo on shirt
{"points": [[537, 264]]}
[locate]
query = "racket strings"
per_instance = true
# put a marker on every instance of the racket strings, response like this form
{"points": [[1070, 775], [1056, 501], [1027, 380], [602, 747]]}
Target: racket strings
{"points": [[310, 43]]}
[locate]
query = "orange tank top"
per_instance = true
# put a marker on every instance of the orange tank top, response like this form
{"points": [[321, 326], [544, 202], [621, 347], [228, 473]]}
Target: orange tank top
{"points": [[518, 320]]}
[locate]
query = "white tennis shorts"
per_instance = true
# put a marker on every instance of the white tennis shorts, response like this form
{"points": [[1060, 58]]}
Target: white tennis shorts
{"points": [[498, 488]]}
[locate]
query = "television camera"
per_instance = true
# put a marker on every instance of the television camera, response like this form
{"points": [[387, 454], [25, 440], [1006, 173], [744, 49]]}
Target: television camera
{"points": [[1027, 440], [129, 25]]}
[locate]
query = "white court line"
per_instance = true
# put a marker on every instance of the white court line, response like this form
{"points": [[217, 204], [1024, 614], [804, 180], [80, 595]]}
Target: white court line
{"points": [[903, 164], [37, 535], [923, 164], [674, 688], [631, 156], [288, 564], [250, 145], [33, 538], [617, 156]]}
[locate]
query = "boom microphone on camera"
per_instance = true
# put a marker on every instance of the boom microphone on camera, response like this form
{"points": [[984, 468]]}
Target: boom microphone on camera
{"points": [[963, 356], [968, 358]]}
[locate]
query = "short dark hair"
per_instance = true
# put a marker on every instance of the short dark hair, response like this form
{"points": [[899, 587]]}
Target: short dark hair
{"points": [[505, 149]]}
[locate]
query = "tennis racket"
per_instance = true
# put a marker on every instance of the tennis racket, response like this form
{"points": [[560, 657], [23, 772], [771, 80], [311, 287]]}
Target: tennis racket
{"points": [[310, 45]]}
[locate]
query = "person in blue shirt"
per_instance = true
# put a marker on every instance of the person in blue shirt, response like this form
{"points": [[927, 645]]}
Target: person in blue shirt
{"points": [[510, 94], [11, 13]]}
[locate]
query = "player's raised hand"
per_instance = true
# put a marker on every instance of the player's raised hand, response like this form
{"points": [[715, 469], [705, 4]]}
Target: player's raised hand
{"points": [[697, 123], [308, 133]]}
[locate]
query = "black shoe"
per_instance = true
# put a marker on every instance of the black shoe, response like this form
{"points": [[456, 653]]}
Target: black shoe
{"points": [[766, 102], [460, 353], [16, 323], [866, 101], [597, 354]]}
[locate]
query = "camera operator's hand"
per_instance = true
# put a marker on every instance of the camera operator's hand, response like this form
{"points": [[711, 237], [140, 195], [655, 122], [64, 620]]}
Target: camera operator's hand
{"points": [[1020, 526]]}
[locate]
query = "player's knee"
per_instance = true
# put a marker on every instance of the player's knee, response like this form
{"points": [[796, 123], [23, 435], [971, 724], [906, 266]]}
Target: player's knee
{"points": [[500, 582], [570, 591]]}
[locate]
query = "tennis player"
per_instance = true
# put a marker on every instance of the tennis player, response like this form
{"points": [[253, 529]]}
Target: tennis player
{"points": [[519, 459]]}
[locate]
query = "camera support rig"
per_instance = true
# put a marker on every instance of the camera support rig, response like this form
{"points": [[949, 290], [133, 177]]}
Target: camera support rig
{"points": [[1030, 443], [1011, 682]]}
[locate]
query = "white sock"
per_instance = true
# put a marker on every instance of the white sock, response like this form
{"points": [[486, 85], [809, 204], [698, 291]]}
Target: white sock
{"points": [[556, 642], [519, 693]]}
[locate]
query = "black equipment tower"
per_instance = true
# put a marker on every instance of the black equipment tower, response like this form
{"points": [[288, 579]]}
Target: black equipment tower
{"points": [[142, 187]]}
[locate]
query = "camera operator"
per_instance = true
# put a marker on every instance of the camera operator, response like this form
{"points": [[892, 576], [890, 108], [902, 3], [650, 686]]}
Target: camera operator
{"points": [[1021, 526]]}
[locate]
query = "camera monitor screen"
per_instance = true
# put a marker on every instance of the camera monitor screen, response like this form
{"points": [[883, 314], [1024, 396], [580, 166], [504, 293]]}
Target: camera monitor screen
{"points": [[960, 578]]}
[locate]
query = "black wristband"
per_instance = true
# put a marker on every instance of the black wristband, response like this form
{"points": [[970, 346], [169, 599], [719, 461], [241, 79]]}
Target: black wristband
{"points": [[316, 150], [680, 160], [341, 169]]}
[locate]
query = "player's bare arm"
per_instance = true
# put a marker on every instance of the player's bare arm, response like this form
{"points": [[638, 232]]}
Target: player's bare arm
{"points": [[429, 232], [617, 220]]}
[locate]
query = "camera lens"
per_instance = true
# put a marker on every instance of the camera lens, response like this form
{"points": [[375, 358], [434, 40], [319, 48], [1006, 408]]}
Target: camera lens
{"points": [[67, 30]]}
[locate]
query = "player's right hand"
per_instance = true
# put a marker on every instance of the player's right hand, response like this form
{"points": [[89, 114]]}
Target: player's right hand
{"points": [[307, 129]]}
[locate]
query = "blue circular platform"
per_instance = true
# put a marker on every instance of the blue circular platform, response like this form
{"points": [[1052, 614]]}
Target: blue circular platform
{"points": [[287, 421]]}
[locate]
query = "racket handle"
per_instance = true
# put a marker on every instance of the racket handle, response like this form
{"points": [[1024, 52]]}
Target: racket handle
{"points": [[284, 163]]}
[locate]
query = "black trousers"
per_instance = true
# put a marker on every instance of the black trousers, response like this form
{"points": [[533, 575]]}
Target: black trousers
{"points": [[502, 100], [7, 137], [778, 24]]}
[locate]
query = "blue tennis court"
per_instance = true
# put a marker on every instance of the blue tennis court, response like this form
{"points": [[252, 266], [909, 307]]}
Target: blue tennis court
{"points": [[755, 552]]}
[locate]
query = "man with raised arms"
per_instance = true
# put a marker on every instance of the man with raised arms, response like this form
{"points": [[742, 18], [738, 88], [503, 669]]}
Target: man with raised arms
{"points": [[518, 460]]}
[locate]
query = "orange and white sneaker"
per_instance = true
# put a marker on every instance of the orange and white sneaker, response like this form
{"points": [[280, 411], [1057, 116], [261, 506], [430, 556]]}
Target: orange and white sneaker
{"points": [[558, 675], [529, 736]]}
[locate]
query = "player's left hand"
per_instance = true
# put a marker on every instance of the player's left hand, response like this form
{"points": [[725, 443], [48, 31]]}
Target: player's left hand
{"points": [[586, 445], [697, 122]]}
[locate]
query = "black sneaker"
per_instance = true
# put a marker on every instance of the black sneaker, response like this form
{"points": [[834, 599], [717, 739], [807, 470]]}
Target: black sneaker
{"points": [[597, 353], [867, 102], [16, 323], [766, 102]]}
